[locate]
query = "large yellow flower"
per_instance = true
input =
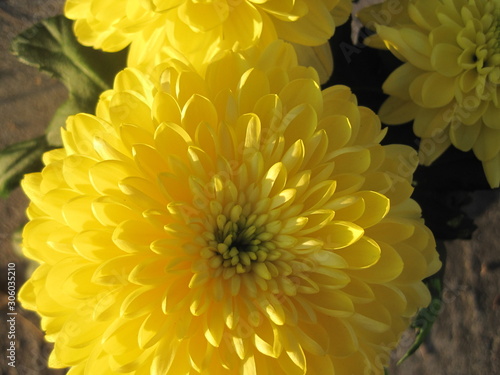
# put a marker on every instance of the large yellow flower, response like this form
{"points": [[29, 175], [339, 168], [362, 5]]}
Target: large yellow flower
{"points": [[158, 29], [449, 82], [242, 223]]}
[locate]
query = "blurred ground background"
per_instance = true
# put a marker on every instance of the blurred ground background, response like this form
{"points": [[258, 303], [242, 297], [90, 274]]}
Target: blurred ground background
{"points": [[464, 341]]}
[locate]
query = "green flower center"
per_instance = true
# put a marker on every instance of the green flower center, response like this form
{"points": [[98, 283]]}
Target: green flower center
{"points": [[488, 36], [238, 243]]}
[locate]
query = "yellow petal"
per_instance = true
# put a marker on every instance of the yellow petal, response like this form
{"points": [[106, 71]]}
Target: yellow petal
{"points": [[201, 17], [399, 81], [432, 90], [196, 110], [340, 234], [244, 25], [362, 254], [320, 57], [492, 170], [301, 92], [487, 145], [401, 40], [389, 266], [444, 59], [463, 136], [430, 123], [491, 117], [141, 301], [332, 303], [396, 111], [313, 29]]}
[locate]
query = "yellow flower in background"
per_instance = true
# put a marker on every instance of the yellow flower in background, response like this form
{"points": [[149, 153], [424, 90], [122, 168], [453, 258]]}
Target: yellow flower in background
{"points": [[242, 223], [448, 83], [198, 30]]}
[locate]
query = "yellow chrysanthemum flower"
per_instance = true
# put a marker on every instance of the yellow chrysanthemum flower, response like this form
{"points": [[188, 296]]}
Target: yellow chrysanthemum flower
{"points": [[448, 83], [243, 223], [198, 30]]}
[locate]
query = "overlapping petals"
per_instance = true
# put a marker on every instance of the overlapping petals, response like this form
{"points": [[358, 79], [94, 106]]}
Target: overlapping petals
{"points": [[244, 222], [159, 29], [448, 83]]}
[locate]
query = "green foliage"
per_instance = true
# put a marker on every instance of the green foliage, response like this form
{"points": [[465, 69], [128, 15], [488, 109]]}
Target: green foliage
{"points": [[52, 47]]}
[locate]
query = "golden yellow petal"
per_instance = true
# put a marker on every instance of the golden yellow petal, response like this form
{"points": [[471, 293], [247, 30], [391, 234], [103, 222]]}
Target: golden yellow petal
{"points": [[201, 17], [338, 128], [196, 110], [254, 84], [301, 92], [165, 109], [140, 301], [344, 342], [359, 291], [391, 231], [245, 22], [363, 253], [310, 30], [389, 266], [320, 57]]}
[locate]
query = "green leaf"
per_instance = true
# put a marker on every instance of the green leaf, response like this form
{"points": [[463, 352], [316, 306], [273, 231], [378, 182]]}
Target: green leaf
{"points": [[18, 159], [52, 47]]}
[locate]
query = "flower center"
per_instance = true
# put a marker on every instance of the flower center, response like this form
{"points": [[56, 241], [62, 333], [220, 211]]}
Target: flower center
{"points": [[238, 243]]}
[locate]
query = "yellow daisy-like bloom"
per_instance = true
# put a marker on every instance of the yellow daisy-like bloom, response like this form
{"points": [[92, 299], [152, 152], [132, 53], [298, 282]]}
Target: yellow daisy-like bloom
{"points": [[158, 29], [449, 83], [242, 223]]}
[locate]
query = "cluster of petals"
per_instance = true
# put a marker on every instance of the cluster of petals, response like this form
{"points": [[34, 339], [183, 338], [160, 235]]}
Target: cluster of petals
{"points": [[449, 82], [197, 30], [245, 222]]}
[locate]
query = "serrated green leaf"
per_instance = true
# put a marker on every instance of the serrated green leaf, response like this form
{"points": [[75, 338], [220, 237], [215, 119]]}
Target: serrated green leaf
{"points": [[52, 47], [18, 159]]}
